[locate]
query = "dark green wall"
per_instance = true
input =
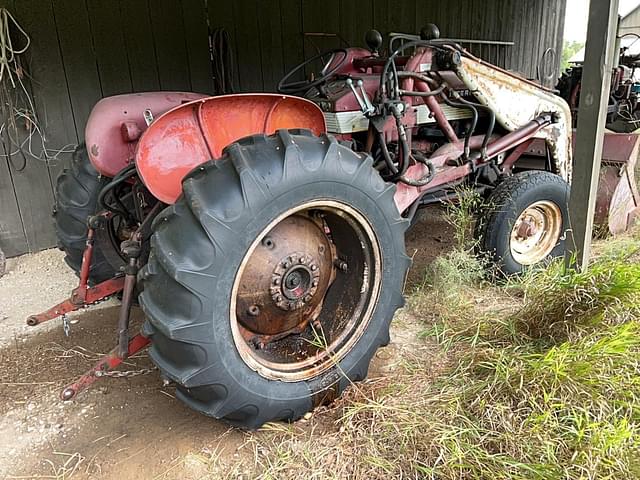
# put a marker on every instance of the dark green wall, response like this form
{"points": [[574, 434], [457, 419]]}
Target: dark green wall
{"points": [[83, 50]]}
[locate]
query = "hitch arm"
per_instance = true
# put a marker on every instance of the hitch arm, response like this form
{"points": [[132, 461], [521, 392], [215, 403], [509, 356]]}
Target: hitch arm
{"points": [[80, 298], [107, 363]]}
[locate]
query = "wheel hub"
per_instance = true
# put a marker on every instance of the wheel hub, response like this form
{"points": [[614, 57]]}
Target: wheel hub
{"points": [[286, 278], [536, 232], [295, 281]]}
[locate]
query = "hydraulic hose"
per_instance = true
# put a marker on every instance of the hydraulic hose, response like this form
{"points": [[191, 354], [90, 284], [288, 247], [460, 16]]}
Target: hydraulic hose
{"points": [[120, 177], [391, 60], [492, 121], [474, 122]]}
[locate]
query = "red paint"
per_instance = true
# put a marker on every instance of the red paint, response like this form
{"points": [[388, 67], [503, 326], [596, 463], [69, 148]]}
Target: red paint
{"points": [[107, 363], [406, 195], [115, 124], [78, 300], [80, 293], [618, 200], [197, 132]]}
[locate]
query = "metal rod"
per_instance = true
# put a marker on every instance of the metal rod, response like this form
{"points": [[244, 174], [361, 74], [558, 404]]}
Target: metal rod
{"points": [[108, 362]]}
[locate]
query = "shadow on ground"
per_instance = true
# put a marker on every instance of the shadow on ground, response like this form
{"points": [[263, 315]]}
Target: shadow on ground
{"points": [[130, 428]]}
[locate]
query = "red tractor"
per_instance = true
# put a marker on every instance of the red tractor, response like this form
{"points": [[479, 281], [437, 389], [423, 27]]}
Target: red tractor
{"points": [[263, 234]]}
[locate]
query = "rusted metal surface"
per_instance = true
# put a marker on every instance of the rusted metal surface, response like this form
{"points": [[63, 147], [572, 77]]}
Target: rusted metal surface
{"points": [[107, 363], [321, 336], [115, 123], [79, 294], [90, 295], [286, 278], [536, 232], [618, 197], [196, 132], [405, 194], [517, 101], [515, 155]]}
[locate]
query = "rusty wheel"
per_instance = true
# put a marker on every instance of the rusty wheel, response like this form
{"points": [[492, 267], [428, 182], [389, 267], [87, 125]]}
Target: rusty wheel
{"points": [[536, 232], [273, 280], [305, 290], [526, 221]]}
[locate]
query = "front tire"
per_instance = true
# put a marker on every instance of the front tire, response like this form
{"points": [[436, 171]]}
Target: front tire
{"points": [[525, 221], [204, 292]]}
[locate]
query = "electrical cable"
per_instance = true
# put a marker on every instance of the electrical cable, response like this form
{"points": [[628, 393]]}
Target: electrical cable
{"points": [[222, 57]]}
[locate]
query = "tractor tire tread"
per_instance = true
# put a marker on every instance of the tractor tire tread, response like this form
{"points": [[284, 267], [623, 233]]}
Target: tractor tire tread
{"points": [[192, 243], [77, 190], [490, 223]]}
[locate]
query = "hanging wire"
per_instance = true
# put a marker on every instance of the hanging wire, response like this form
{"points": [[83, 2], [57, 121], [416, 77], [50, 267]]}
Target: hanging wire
{"points": [[16, 104]]}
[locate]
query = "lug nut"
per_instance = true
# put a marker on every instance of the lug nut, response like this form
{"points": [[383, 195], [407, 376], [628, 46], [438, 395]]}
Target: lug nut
{"points": [[341, 265], [314, 268]]}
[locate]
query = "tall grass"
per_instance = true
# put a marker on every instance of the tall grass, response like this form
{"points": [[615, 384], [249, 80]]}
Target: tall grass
{"points": [[545, 384]]}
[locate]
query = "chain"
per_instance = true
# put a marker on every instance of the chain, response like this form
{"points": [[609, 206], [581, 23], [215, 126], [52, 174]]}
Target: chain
{"points": [[124, 374], [66, 323], [66, 326]]}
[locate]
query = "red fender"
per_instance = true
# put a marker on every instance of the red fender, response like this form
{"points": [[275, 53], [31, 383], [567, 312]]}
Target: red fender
{"points": [[197, 132], [116, 123]]}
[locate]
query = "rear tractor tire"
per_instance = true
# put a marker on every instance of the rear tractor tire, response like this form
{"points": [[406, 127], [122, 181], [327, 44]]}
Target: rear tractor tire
{"points": [[77, 190], [525, 221], [273, 280]]}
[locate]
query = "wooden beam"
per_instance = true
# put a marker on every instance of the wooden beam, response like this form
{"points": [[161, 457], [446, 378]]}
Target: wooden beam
{"points": [[594, 98]]}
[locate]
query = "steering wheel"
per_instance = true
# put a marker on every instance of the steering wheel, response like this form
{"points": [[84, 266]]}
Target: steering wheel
{"points": [[301, 86]]}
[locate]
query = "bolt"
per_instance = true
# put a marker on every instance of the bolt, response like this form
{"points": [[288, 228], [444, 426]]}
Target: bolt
{"points": [[341, 265], [307, 298], [276, 281], [279, 298], [314, 283], [314, 268], [68, 394]]}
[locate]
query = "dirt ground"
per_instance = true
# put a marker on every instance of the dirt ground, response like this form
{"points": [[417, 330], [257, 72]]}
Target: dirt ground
{"points": [[131, 428]]}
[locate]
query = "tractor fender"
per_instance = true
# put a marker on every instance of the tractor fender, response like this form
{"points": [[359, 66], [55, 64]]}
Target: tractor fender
{"points": [[116, 123], [196, 132]]}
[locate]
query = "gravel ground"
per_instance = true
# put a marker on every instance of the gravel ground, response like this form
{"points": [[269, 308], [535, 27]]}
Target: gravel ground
{"points": [[33, 283]]}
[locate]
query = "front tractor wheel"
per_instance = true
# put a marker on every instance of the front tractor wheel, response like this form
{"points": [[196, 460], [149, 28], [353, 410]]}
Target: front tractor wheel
{"points": [[525, 221], [273, 280]]}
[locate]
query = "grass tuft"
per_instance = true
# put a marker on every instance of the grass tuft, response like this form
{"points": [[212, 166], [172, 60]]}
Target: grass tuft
{"points": [[541, 381]]}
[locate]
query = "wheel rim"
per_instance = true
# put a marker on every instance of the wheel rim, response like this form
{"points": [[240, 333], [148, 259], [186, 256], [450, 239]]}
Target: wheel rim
{"points": [[536, 232], [305, 291]]}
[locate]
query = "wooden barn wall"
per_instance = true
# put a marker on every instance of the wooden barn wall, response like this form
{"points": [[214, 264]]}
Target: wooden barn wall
{"points": [[83, 50]]}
